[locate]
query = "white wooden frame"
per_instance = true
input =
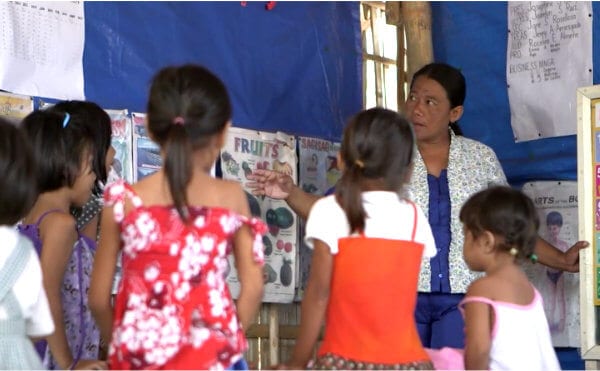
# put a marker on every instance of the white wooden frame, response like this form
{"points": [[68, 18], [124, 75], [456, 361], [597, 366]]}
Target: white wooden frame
{"points": [[590, 349]]}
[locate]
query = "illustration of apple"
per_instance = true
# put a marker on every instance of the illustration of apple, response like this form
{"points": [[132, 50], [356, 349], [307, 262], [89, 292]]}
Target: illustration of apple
{"points": [[280, 245], [288, 247]]}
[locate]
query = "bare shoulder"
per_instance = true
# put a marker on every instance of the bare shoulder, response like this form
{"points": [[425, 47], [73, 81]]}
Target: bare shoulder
{"points": [[483, 286], [233, 195], [59, 222]]}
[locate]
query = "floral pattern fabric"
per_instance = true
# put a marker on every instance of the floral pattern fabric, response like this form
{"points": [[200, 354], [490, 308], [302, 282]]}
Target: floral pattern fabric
{"points": [[173, 308], [472, 167]]}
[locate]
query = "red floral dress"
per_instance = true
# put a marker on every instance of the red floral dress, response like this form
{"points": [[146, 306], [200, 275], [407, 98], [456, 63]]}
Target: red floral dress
{"points": [[173, 309]]}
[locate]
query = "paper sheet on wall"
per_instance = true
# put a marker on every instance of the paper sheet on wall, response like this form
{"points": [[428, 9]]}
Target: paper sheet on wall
{"points": [[319, 172], [122, 143], [549, 55], [41, 48], [556, 204], [146, 153], [244, 151]]}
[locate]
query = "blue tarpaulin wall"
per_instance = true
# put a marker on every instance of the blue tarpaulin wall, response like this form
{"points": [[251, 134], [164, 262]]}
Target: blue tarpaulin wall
{"points": [[473, 37], [296, 68]]}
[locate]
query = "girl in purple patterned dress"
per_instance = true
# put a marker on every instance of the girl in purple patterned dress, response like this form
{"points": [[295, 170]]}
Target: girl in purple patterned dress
{"points": [[63, 152]]}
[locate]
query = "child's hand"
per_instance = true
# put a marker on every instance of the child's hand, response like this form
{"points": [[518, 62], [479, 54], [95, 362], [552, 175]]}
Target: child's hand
{"points": [[91, 364]]}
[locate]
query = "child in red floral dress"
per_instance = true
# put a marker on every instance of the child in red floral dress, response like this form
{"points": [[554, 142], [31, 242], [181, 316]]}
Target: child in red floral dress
{"points": [[173, 308]]}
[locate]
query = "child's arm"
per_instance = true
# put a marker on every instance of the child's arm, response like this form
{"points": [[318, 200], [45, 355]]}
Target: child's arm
{"points": [[58, 236], [249, 271], [105, 263], [314, 305], [478, 329]]}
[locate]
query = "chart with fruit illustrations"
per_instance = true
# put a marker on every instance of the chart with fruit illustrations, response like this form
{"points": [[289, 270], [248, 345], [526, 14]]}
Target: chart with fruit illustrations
{"points": [[244, 151]]}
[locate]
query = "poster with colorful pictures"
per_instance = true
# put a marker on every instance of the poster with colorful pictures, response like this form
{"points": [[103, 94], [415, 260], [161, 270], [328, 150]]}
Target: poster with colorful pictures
{"points": [[318, 175], [122, 143], [244, 151], [14, 107], [556, 205], [146, 153]]}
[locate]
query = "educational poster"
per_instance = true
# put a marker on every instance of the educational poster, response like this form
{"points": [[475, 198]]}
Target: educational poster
{"points": [[146, 153], [41, 48], [542, 70], [244, 151], [319, 173], [14, 107], [121, 142], [556, 203]]}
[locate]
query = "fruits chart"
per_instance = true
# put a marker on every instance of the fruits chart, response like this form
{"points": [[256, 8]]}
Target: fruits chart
{"points": [[244, 151], [588, 186]]}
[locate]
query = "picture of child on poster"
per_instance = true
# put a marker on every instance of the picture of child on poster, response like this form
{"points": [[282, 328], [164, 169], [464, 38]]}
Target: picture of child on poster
{"points": [[556, 204]]}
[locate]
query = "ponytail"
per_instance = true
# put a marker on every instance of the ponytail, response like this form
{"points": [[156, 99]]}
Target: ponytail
{"points": [[178, 167], [348, 194]]}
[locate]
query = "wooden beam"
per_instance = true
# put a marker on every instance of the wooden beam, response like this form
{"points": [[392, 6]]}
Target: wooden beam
{"points": [[288, 332]]}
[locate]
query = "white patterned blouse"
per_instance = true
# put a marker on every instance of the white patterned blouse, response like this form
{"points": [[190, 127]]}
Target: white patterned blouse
{"points": [[472, 166]]}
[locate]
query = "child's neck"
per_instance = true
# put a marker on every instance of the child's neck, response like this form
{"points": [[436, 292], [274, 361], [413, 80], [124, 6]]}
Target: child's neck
{"points": [[499, 262], [58, 199]]}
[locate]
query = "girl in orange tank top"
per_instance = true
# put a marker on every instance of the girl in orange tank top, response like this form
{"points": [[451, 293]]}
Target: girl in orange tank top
{"points": [[368, 244]]}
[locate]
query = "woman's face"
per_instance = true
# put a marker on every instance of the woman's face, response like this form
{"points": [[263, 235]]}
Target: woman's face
{"points": [[428, 108]]}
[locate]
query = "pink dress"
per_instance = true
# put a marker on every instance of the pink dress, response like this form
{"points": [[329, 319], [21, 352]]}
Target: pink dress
{"points": [[173, 309]]}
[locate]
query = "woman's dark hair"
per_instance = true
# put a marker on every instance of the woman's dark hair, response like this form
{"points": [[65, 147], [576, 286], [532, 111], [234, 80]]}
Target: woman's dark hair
{"points": [[453, 82], [17, 167], [507, 213], [58, 148], [554, 218], [377, 146], [96, 122], [188, 105]]}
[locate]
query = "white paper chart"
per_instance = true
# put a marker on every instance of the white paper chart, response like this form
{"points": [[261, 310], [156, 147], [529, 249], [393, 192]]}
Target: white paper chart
{"points": [[41, 48]]}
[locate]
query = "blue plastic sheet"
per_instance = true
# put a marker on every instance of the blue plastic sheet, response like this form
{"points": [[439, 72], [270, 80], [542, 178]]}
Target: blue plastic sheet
{"points": [[296, 68]]}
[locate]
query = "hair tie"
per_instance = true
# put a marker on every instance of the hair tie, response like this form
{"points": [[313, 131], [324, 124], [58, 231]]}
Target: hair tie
{"points": [[66, 120], [178, 120], [513, 251], [533, 258], [359, 163]]}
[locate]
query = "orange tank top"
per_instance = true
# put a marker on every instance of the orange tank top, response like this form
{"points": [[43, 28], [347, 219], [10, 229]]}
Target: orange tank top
{"points": [[370, 316]]}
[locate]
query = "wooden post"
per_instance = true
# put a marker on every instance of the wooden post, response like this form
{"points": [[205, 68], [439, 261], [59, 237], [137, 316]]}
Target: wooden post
{"points": [[416, 18], [273, 334]]}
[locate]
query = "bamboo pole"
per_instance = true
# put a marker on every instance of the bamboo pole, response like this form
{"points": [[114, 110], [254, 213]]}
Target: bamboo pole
{"points": [[416, 18], [273, 334]]}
